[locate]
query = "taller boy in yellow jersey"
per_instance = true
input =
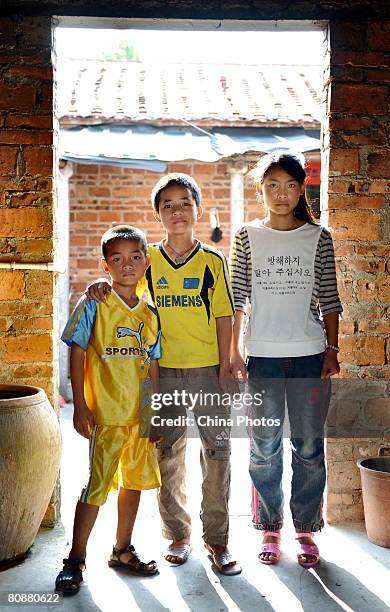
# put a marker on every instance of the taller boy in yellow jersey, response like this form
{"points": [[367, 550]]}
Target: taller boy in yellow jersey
{"points": [[190, 286]]}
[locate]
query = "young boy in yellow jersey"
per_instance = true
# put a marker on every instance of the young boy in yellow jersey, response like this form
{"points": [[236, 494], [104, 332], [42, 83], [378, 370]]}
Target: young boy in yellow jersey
{"points": [[114, 348], [189, 285]]}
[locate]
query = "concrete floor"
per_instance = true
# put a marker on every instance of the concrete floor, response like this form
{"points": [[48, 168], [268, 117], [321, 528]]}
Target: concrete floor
{"points": [[353, 573]]}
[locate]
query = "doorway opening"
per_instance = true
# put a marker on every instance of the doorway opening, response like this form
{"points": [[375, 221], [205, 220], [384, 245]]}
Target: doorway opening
{"points": [[133, 104]]}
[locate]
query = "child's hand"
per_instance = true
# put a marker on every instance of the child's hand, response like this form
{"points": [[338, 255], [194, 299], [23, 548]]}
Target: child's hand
{"points": [[98, 290], [238, 368], [226, 380], [330, 365], [83, 420]]}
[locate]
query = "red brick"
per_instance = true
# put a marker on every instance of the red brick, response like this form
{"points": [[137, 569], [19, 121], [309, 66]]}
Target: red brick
{"points": [[341, 249], [379, 289], [8, 159], [19, 98], [30, 199], [46, 98], [343, 161], [22, 137], [39, 160], [378, 165], [88, 264], [376, 186], [355, 201], [362, 350], [377, 138], [204, 169], [337, 186], [33, 348], [364, 265], [100, 192], [39, 282], [381, 76], [364, 99], [372, 250], [32, 323], [355, 225], [356, 58], [177, 168], [25, 222], [86, 216], [87, 169], [78, 240], [349, 123], [11, 285], [347, 36], [345, 290], [113, 169], [29, 371], [41, 306], [379, 327], [346, 327], [16, 183], [34, 72], [378, 35], [37, 246], [377, 411]]}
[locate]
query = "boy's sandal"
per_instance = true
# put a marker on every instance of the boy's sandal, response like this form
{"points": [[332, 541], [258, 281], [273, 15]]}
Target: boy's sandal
{"points": [[272, 548], [224, 562], [181, 552], [134, 564], [71, 576], [306, 550]]}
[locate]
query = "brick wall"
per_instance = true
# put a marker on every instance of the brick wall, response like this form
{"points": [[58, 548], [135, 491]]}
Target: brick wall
{"points": [[357, 205], [28, 344], [26, 224]]}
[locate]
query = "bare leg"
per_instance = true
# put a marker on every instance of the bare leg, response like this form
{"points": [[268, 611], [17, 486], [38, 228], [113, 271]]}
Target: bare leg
{"points": [[84, 520], [128, 502]]}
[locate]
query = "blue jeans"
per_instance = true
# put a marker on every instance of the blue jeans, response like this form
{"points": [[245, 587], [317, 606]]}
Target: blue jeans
{"points": [[295, 382]]}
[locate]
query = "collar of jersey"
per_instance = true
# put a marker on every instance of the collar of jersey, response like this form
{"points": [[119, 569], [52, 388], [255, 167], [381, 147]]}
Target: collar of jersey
{"points": [[122, 303], [174, 265]]}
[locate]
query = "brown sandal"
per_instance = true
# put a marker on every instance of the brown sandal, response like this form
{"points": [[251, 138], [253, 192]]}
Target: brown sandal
{"points": [[134, 564]]}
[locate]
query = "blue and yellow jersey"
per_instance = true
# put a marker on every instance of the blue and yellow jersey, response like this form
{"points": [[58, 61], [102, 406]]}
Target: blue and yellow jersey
{"points": [[189, 297], [119, 343]]}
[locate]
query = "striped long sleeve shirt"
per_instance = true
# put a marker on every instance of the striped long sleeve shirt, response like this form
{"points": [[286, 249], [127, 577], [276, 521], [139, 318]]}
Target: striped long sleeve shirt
{"points": [[324, 297]]}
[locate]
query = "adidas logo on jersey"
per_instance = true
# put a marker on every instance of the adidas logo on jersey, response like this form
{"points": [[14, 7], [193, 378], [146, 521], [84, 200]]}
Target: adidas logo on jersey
{"points": [[162, 282]]}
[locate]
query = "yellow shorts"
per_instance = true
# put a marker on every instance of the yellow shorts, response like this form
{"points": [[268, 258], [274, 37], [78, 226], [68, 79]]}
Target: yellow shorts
{"points": [[118, 456]]}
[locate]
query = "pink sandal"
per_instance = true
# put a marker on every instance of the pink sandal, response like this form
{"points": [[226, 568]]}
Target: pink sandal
{"points": [[271, 547], [306, 549]]}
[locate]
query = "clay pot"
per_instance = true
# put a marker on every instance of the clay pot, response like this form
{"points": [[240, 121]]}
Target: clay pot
{"points": [[30, 451], [375, 475]]}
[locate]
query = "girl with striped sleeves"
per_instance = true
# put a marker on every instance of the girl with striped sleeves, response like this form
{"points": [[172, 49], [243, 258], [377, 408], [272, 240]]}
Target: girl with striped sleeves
{"points": [[283, 267]]}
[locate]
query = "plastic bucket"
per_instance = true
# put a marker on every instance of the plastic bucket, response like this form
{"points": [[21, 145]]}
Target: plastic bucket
{"points": [[375, 476]]}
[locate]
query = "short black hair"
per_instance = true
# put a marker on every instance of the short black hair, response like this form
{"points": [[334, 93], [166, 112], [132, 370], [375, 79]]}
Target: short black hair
{"points": [[172, 179], [123, 232]]}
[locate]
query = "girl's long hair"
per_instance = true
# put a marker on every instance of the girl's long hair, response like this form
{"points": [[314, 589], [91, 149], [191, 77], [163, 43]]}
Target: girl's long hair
{"points": [[291, 164]]}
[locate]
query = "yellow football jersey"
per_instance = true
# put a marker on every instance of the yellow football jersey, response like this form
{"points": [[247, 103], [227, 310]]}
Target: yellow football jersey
{"points": [[188, 298], [119, 343]]}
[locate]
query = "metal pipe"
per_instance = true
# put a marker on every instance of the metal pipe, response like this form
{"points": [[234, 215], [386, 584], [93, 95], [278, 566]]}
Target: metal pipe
{"points": [[15, 265]]}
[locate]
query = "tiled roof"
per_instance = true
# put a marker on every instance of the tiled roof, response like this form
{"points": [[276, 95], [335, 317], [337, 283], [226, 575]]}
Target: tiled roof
{"points": [[216, 94]]}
